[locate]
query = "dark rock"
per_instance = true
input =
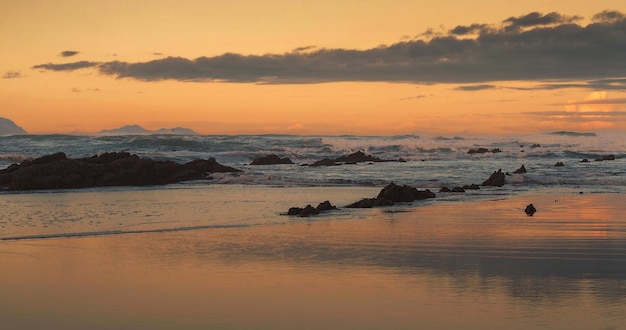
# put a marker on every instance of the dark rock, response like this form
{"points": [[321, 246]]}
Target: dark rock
{"points": [[536, 145], [530, 210], [484, 151], [559, 164], [325, 162], [358, 157], [391, 194], [325, 206], [495, 180], [308, 210], [521, 170], [444, 189], [458, 190], [271, 160], [471, 187], [353, 158], [585, 160], [109, 169], [478, 151]]}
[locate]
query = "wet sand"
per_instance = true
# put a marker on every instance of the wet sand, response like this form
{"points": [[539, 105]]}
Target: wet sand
{"points": [[449, 265]]}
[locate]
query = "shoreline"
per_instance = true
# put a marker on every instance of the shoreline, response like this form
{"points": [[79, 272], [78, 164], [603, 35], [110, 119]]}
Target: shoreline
{"points": [[336, 271]]}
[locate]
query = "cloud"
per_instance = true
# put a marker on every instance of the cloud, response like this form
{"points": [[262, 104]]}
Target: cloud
{"points": [[66, 66], [475, 87], [69, 53], [537, 19], [599, 101], [12, 75], [532, 47]]}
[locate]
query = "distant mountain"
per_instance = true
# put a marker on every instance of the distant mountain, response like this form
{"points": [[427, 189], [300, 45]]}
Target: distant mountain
{"points": [[138, 130], [8, 127], [566, 133]]}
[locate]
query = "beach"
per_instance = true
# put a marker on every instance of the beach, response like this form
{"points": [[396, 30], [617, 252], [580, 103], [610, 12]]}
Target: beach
{"points": [[451, 264]]}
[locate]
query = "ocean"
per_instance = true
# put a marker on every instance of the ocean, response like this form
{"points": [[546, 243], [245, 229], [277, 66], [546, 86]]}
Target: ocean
{"points": [[222, 254]]}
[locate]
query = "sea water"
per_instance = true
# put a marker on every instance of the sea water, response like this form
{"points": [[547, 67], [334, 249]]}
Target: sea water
{"points": [[220, 253]]}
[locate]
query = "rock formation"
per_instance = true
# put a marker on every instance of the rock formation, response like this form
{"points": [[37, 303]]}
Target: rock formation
{"points": [[271, 160], [308, 210], [110, 169], [393, 193]]}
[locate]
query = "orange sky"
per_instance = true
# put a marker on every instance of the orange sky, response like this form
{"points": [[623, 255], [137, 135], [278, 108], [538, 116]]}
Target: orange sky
{"points": [[323, 67]]}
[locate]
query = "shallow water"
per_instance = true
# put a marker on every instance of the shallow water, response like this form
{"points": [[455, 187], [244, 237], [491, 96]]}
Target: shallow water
{"points": [[446, 265]]}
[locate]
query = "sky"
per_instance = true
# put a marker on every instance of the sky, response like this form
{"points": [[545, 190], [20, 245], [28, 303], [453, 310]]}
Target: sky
{"points": [[365, 67]]}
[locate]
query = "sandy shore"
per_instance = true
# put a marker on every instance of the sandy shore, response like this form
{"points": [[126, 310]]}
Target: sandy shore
{"points": [[482, 264]]}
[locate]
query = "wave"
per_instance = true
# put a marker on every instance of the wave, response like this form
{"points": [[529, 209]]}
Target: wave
{"points": [[118, 232]]}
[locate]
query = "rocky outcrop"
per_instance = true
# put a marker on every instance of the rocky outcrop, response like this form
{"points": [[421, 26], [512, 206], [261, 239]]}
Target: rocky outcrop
{"points": [[483, 151], [308, 210], [521, 170], [393, 193], [271, 160], [110, 169], [353, 158], [495, 180]]}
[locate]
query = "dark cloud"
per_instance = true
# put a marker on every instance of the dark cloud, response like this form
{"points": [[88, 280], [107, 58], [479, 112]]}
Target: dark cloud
{"points": [[608, 16], [537, 19], [66, 66], [475, 87], [548, 47], [470, 29], [12, 74], [69, 53]]}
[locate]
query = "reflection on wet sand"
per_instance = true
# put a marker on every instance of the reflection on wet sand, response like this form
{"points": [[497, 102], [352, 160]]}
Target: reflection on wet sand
{"points": [[446, 266]]}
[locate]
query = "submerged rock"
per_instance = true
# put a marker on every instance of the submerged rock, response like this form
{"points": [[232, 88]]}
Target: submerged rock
{"points": [[109, 169]]}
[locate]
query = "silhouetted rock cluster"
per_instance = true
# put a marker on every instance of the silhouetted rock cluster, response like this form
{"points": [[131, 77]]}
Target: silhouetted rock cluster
{"points": [[308, 210], [109, 169], [393, 193], [271, 160]]}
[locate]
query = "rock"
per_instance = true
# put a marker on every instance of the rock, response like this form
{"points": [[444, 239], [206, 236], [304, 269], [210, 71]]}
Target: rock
{"points": [[271, 160], [471, 187], [530, 210], [358, 157], [585, 160], [484, 151], [520, 170], [495, 180], [458, 190], [110, 169], [308, 210], [559, 164], [393, 193], [353, 158], [325, 162], [536, 145], [478, 151], [445, 189]]}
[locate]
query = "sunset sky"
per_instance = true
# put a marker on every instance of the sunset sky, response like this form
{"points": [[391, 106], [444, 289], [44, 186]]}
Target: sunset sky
{"points": [[314, 67]]}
